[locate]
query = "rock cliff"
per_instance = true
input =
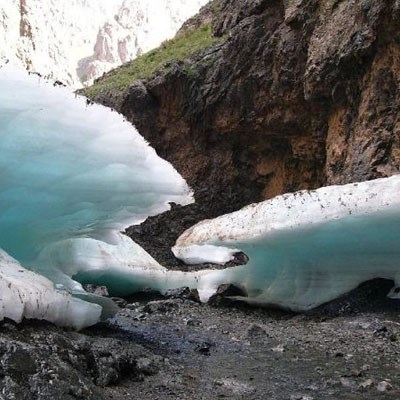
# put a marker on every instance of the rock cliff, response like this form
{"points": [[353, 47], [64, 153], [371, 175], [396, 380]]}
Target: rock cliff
{"points": [[292, 94], [298, 94]]}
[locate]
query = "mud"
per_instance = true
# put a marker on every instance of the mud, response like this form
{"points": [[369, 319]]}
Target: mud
{"points": [[177, 348], [239, 352]]}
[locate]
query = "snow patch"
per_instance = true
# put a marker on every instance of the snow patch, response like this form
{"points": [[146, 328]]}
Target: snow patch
{"points": [[25, 294], [205, 253]]}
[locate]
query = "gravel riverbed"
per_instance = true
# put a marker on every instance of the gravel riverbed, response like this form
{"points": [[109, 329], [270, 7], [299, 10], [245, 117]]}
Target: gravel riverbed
{"points": [[176, 348]]}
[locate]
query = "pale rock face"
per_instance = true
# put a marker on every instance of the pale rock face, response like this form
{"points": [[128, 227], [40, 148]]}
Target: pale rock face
{"points": [[139, 26], [80, 39], [51, 36]]}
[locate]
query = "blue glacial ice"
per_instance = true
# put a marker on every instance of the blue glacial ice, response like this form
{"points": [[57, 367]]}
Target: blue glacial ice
{"points": [[304, 248], [71, 170], [73, 175]]}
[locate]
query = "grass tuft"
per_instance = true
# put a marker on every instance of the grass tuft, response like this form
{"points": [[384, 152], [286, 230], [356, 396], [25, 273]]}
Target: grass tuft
{"points": [[176, 49]]}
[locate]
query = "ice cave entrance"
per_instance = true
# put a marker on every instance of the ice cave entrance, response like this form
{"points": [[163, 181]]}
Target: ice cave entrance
{"points": [[72, 176]]}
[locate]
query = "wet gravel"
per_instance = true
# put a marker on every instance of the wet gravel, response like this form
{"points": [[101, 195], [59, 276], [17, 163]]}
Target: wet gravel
{"points": [[239, 352], [176, 348]]}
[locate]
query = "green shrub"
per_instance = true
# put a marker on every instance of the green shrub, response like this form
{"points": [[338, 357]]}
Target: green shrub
{"points": [[176, 49]]}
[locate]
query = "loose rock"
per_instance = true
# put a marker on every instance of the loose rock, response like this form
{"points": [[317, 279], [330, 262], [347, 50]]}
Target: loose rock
{"points": [[384, 386]]}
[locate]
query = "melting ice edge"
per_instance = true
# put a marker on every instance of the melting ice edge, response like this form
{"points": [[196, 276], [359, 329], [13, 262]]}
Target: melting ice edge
{"points": [[73, 176]]}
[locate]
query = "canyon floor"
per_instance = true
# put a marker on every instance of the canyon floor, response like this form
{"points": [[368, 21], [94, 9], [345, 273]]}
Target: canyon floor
{"points": [[245, 353], [176, 348]]}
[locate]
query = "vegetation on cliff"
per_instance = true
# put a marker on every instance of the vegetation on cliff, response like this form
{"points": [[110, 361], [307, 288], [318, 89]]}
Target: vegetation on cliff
{"points": [[174, 50]]}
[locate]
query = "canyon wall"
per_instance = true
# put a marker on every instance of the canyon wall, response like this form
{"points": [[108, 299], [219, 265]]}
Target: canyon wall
{"points": [[299, 94]]}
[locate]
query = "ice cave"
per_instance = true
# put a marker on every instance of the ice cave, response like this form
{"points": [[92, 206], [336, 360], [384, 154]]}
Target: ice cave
{"points": [[73, 175]]}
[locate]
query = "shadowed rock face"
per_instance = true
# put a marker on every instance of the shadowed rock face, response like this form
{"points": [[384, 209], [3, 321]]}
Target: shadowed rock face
{"points": [[40, 361], [301, 94]]}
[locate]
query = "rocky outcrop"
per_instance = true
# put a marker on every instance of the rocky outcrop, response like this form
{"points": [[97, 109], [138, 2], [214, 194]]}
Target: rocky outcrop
{"points": [[40, 361], [302, 93], [137, 27]]}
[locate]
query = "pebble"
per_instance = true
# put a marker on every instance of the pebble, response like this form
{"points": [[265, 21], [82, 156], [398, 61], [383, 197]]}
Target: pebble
{"points": [[183, 293], [223, 291], [361, 371], [255, 331], [193, 322], [380, 331], [384, 386], [162, 306], [279, 349], [139, 317], [132, 306], [204, 348], [366, 384], [97, 290], [119, 301], [346, 382]]}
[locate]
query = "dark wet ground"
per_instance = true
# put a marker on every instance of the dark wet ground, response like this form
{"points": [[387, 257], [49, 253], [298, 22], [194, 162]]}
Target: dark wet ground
{"points": [[176, 348], [246, 353]]}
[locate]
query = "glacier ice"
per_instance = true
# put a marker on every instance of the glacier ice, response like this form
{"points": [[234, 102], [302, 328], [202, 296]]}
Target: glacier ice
{"points": [[204, 253], [72, 174], [69, 170], [25, 294], [305, 248], [124, 267]]}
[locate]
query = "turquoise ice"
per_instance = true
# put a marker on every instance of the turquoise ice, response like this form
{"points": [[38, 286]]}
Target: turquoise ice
{"points": [[305, 248], [70, 172], [73, 175], [68, 169]]}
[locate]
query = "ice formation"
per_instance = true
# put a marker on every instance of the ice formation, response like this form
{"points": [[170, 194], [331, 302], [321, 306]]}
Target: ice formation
{"points": [[72, 174], [25, 294], [124, 267], [75, 40], [304, 248]]}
